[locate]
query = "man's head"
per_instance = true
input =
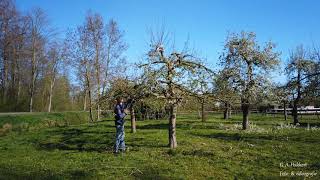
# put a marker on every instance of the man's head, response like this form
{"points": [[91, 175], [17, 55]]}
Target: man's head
{"points": [[119, 100]]}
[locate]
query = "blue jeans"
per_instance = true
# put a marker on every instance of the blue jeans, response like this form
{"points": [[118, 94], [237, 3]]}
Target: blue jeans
{"points": [[119, 138]]}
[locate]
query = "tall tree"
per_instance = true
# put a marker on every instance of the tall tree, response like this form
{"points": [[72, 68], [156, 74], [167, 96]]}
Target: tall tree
{"points": [[82, 55], [38, 34], [12, 43], [168, 75], [115, 46], [96, 30], [7, 15], [248, 65], [101, 48]]}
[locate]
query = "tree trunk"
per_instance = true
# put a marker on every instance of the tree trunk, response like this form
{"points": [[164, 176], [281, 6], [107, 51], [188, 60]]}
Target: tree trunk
{"points": [[245, 100], [85, 100], [33, 73], [32, 91], [18, 93], [297, 99], [203, 115], [245, 111], [133, 120], [18, 88], [13, 76], [98, 92], [229, 110], [285, 111], [172, 126], [51, 93], [295, 113], [90, 106], [226, 111], [5, 80], [97, 65], [98, 112], [199, 114], [89, 94]]}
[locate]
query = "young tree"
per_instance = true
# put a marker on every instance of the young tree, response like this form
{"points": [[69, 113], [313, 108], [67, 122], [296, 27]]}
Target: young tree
{"points": [[248, 65], [225, 93], [281, 95], [202, 92], [56, 56], [132, 90], [299, 70]]}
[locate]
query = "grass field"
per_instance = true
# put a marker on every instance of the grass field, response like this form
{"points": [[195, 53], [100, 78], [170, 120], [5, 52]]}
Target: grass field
{"points": [[216, 149]]}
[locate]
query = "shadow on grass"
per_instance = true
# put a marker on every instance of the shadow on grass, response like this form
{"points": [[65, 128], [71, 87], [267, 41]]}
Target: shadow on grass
{"points": [[191, 152], [223, 136], [89, 139], [8, 173], [150, 144], [310, 124], [256, 138], [77, 139], [184, 125]]}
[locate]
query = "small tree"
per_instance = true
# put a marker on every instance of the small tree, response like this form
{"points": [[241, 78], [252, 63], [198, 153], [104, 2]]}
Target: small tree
{"points": [[202, 91], [299, 70], [281, 95], [56, 56], [225, 93], [127, 89], [248, 66]]}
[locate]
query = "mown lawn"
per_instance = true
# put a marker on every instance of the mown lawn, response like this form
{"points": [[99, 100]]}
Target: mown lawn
{"points": [[216, 149]]}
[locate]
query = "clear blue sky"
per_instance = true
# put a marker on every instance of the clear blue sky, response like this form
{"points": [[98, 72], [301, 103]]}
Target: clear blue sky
{"points": [[206, 22]]}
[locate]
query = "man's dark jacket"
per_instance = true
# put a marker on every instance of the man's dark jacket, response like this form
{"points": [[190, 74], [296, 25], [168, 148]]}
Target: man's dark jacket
{"points": [[119, 114]]}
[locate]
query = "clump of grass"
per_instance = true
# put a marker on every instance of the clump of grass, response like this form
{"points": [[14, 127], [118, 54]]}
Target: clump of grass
{"points": [[235, 127], [6, 128], [286, 126]]}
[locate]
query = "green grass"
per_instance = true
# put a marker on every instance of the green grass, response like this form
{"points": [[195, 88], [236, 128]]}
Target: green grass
{"points": [[216, 149], [33, 121]]}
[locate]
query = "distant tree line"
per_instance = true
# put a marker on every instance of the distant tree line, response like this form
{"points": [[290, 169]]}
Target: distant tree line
{"points": [[37, 65]]}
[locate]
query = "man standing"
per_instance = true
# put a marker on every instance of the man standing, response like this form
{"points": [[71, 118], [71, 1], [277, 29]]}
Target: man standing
{"points": [[120, 113]]}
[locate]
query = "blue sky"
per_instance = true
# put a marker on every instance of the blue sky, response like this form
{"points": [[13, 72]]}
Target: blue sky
{"points": [[288, 23]]}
